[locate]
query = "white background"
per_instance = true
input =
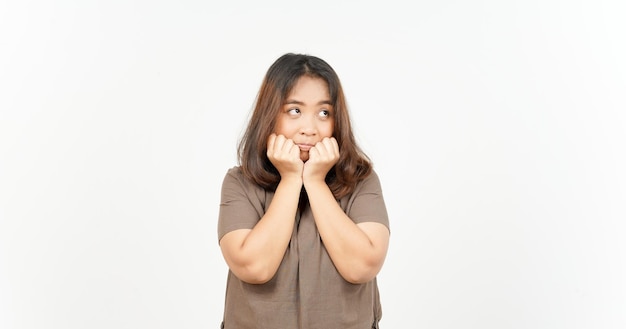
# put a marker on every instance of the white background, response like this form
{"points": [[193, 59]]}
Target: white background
{"points": [[497, 129]]}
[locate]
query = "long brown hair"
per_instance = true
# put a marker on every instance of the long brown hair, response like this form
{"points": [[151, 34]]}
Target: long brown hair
{"points": [[353, 165]]}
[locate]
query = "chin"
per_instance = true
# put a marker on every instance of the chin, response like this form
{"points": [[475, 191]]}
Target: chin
{"points": [[304, 156]]}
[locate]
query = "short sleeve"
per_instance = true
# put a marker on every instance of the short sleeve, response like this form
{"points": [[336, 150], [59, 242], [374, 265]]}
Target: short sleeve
{"points": [[366, 203], [242, 203]]}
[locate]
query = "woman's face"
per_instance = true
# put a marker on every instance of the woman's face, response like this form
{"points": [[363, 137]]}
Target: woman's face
{"points": [[306, 116]]}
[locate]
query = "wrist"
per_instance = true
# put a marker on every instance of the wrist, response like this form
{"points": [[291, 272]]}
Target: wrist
{"points": [[314, 182], [291, 180]]}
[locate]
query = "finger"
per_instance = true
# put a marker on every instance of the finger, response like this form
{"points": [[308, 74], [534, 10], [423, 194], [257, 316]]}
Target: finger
{"points": [[314, 153], [279, 143], [328, 149], [293, 149], [324, 147], [328, 145], [288, 146]]}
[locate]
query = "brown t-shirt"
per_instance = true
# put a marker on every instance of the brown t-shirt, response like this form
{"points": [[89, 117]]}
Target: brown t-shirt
{"points": [[307, 291]]}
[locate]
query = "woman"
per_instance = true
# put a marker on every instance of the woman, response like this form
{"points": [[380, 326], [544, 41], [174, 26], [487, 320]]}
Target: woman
{"points": [[303, 225]]}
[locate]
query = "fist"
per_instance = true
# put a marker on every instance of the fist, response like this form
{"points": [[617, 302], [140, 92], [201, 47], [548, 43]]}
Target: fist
{"points": [[322, 157], [284, 154]]}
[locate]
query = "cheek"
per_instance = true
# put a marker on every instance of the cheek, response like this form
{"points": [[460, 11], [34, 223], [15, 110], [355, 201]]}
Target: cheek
{"points": [[327, 130], [280, 128]]}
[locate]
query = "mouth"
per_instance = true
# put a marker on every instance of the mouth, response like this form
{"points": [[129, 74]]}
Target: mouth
{"points": [[304, 147]]}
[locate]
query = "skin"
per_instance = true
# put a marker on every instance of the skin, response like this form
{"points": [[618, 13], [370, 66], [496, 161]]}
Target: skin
{"points": [[303, 151]]}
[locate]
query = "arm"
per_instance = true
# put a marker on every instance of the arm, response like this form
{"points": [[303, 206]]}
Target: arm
{"points": [[357, 250], [254, 255]]}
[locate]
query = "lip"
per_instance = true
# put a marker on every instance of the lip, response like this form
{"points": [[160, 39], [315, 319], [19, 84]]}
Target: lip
{"points": [[304, 147]]}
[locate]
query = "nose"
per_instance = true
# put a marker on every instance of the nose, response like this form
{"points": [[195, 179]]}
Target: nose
{"points": [[308, 126]]}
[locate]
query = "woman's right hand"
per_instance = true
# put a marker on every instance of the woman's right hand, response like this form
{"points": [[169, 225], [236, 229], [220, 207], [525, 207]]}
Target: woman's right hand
{"points": [[285, 156]]}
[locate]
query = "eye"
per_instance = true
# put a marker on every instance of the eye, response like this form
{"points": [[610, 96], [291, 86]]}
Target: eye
{"points": [[293, 111], [324, 113]]}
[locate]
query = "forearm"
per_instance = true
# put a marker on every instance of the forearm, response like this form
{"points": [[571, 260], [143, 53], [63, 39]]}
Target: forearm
{"points": [[358, 255], [257, 253]]}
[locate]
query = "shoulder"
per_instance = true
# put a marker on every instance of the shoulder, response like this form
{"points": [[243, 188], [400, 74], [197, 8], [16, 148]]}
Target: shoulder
{"points": [[235, 180], [370, 185], [366, 203], [372, 181], [373, 175], [234, 172]]}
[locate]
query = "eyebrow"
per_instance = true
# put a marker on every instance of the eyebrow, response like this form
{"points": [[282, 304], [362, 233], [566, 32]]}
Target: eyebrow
{"points": [[293, 101]]}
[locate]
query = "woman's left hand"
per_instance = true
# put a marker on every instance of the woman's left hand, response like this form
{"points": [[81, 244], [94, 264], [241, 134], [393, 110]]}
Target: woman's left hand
{"points": [[322, 157]]}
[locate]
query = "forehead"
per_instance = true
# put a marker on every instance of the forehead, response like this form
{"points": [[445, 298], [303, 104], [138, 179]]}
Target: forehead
{"points": [[309, 86]]}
